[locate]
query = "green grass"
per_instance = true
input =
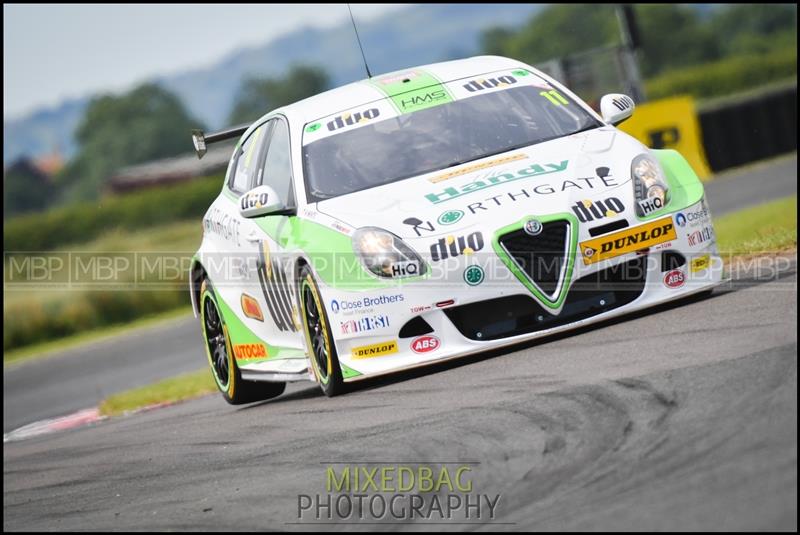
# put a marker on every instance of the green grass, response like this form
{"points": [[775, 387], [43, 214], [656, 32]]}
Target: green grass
{"points": [[170, 390], [35, 316], [46, 349], [766, 228]]}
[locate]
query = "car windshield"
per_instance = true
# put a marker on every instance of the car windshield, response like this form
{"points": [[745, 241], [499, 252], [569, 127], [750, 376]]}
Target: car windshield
{"points": [[438, 137]]}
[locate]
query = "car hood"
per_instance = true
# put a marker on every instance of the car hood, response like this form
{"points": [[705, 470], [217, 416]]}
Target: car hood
{"points": [[542, 179]]}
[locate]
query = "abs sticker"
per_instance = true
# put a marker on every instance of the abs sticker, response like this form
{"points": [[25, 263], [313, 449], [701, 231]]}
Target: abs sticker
{"points": [[374, 350], [674, 279], [425, 344]]}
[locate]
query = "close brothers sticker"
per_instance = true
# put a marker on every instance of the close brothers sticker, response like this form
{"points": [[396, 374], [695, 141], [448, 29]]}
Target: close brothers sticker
{"points": [[373, 493]]}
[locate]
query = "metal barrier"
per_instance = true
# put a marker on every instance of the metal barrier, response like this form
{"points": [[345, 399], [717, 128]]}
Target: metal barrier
{"points": [[751, 128]]}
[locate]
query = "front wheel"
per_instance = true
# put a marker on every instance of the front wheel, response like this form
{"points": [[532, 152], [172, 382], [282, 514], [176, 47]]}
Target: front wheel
{"points": [[319, 340], [227, 376]]}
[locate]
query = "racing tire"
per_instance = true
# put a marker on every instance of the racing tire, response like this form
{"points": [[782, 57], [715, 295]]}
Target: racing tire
{"points": [[227, 376], [316, 327]]}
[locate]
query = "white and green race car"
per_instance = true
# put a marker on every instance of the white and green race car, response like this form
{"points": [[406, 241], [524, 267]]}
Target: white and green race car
{"points": [[433, 213]]}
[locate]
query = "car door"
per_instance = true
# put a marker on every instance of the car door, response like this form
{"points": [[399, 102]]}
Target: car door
{"points": [[273, 272], [236, 281]]}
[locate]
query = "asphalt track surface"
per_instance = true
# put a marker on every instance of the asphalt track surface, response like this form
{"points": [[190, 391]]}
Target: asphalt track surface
{"points": [[79, 378], [681, 418]]}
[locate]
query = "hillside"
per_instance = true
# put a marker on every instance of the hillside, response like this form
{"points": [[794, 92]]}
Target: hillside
{"points": [[415, 35]]}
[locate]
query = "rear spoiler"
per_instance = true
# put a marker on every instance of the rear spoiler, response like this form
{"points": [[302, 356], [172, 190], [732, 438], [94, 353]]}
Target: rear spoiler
{"points": [[199, 139]]}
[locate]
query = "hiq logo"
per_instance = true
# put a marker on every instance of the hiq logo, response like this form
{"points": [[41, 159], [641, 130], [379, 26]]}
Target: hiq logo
{"points": [[649, 205], [349, 119], [489, 83], [680, 220]]}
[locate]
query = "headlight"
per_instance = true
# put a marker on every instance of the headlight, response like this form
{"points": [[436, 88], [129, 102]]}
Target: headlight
{"points": [[385, 255], [649, 185]]}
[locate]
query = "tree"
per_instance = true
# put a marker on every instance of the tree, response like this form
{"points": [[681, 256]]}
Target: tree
{"points": [[555, 32], [25, 188], [258, 96], [667, 28], [756, 28], [145, 124]]}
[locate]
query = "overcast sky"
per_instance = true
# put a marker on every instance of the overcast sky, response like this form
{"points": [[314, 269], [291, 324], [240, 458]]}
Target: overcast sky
{"points": [[53, 51]]}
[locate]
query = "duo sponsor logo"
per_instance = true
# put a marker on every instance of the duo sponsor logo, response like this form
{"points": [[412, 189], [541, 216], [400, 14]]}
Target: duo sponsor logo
{"points": [[700, 263], [587, 210], [251, 308], [278, 293], [364, 304], [369, 323], [650, 205], [532, 170], [622, 103], [349, 119], [425, 344], [374, 350], [628, 240], [451, 246], [674, 279], [253, 200], [700, 236], [249, 351], [489, 83]]}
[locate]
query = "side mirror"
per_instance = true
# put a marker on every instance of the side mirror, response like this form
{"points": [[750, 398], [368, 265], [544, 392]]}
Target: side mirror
{"points": [[616, 108], [261, 200]]}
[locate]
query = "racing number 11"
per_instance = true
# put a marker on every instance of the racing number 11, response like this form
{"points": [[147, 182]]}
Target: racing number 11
{"points": [[554, 97]]}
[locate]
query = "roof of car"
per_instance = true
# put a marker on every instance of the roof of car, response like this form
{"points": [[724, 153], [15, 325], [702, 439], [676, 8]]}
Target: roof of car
{"points": [[369, 90]]}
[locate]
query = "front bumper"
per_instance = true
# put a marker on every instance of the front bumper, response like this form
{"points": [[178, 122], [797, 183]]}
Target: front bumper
{"points": [[449, 315]]}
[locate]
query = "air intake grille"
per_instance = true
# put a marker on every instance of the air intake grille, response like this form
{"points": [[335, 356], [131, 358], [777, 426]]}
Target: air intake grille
{"points": [[541, 257]]}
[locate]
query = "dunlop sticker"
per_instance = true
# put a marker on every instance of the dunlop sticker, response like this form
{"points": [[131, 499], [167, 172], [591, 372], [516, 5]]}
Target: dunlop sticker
{"points": [[375, 350], [628, 240]]}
